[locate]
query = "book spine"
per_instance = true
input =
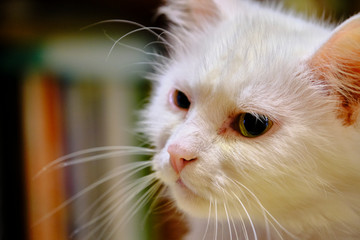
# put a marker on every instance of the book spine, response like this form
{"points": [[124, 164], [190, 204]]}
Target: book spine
{"points": [[42, 127]]}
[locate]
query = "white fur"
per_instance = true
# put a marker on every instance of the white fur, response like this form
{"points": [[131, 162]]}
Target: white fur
{"points": [[305, 171]]}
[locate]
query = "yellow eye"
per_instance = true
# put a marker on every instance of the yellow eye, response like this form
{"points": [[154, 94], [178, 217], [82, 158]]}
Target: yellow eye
{"points": [[250, 125]]}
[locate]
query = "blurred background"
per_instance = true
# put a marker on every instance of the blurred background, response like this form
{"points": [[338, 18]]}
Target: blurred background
{"points": [[67, 88]]}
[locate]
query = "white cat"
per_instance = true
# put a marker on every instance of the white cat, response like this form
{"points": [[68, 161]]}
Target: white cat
{"points": [[254, 119]]}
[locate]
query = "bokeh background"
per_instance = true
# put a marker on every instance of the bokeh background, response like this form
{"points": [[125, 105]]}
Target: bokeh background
{"points": [[65, 88]]}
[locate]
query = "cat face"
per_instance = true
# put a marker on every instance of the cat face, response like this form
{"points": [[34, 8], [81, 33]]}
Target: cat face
{"points": [[242, 121]]}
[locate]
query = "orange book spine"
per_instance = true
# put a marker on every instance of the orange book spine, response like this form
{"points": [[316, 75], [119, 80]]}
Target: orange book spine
{"points": [[43, 138]]}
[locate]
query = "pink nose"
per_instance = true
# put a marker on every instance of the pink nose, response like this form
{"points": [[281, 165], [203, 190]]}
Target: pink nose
{"points": [[179, 157]]}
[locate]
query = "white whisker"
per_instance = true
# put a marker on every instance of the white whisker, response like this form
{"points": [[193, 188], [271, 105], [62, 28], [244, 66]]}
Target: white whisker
{"points": [[222, 230], [149, 63], [216, 220], [118, 183], [149, 29], [277, 231], [236, 233], [104, 215], [135, 188], [267, 212], [246, 235], [152, 43], [139, 165], [138, 49], [267, 227], [152, 208], [208, 221], [120, 150], [248, 215], [146, 198], [140, 203], [243, 225], [228, 221], [139, 30]]}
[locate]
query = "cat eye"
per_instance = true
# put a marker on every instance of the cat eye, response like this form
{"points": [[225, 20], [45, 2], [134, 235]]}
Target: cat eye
{"points": [[250, 125], [180, 100]]}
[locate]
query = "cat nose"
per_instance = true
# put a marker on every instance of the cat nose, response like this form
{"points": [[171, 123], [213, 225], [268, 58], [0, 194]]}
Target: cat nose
{"points": [[179, 157]]}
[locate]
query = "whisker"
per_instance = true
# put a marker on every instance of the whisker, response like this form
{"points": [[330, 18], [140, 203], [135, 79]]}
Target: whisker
{"points": [[146, 198], [267, 212], [277, 231], [104, 214], [222, 230], [228, 221], [152, 208], [149, 63], [267, 227], [236, 233], [141, 165], [152, 43], [208, 221], [216, 220], [139, 30], [141, 202], [147, 181], [137, 49], [246, 235], [149, 29], [160, 209], [114, 186], [97, 157], [247, 214], [243, 225], [121, 150]]}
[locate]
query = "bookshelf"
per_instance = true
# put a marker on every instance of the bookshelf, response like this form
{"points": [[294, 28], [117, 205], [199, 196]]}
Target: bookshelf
{"points": [[77, 97], [64, 94]]}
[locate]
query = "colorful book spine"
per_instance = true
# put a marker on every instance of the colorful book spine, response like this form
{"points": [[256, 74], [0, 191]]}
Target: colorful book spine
{"points": [[43, 143]]}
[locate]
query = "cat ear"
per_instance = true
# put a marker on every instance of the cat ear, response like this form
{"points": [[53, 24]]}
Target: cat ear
{"points": [[337, 65], [196, 13]]}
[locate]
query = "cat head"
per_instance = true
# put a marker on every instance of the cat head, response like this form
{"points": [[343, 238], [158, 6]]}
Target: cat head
{"points": [[255, 109]]}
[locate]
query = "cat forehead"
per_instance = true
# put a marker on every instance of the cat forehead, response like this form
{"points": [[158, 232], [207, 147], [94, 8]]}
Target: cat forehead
{"points": [[244, 52], [253, 40]]}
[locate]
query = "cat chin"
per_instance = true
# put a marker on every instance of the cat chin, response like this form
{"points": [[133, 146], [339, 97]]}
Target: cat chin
{"points": [[195, 205], [188, 201]]}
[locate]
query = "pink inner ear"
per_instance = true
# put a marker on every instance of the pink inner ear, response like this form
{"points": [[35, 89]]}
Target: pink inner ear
{"points": [[337, 63], [204, 10], [191, 13]]}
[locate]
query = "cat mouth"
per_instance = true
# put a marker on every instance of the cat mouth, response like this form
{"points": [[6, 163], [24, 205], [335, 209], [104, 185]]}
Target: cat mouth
{"points": [[188, 199], [183, 187], [180, 183]]}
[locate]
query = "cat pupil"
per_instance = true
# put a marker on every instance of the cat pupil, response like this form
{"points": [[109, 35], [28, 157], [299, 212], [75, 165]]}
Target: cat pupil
{"points": [[181, 100], [252, 126]]}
